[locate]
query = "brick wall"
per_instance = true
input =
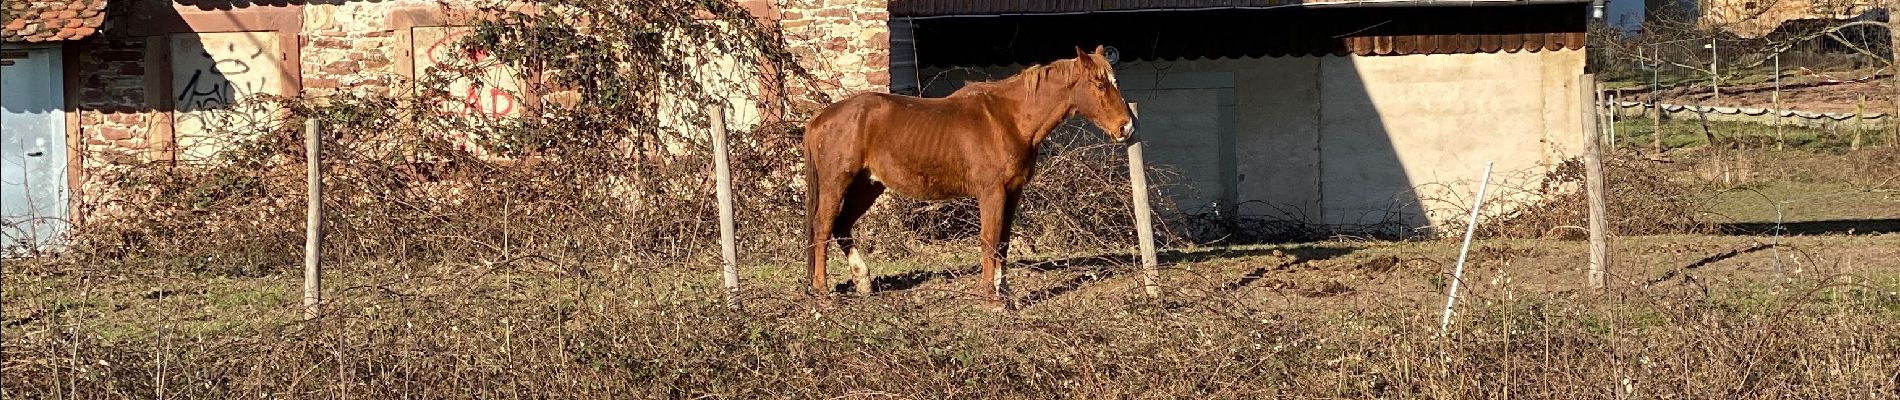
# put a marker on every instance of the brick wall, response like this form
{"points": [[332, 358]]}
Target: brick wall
{"points": [[351, 46], [845, 44], [114, 121], [366, 47]]}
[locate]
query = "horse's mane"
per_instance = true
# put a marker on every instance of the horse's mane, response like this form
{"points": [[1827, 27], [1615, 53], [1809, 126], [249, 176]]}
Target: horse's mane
{"points": [[1031, 76]]}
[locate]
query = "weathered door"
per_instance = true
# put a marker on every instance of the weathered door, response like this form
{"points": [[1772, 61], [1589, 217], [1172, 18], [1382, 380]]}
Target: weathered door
{"points": [[1187, 123], [32, 150]]}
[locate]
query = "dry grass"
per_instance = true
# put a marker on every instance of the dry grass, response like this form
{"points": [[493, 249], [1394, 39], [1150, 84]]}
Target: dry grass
{"points": [[457, 277], [1325, 320]]}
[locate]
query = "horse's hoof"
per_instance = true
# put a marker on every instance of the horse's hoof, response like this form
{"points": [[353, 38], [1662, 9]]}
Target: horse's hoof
{"points": [[822, 299], [826, 302], [1002, 305]]}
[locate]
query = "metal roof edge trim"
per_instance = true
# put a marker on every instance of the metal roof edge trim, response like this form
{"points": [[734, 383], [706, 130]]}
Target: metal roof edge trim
{"points": [[1324, 5]]}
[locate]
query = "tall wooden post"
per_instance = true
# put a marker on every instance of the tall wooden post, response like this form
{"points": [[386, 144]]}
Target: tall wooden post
{"points": [[1860, 120], [728, 246], [1655, 104], [1614, 108], [313, 219], [1781, 136], [1593, 180], [1144, 215]]}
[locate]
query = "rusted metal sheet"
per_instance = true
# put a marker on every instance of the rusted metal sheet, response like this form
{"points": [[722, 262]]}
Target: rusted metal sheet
{"points": [[993, 7]]}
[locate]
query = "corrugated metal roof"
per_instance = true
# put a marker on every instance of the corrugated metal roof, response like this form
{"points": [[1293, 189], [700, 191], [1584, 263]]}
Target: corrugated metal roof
{"points": [[937, 8], [984, 7], [1013, 40], [51, 20]]}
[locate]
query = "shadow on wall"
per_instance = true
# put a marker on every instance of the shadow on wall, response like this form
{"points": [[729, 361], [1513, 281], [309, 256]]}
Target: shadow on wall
{"points": [[1285, 135], [1236, 146], [1239, 143], [227, 5], [108, 81], [223, 64], [153, 85], [32, 147]]}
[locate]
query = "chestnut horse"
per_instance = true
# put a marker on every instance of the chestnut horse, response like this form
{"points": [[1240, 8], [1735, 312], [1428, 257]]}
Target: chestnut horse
{"points": [[978, 142]]}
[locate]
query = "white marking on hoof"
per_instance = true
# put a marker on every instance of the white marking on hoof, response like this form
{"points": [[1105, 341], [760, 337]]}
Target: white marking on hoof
{"points": [[860, 272]]}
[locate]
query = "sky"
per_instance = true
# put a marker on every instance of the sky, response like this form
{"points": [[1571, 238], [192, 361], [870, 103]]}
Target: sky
{"points": [[1626, 14]]}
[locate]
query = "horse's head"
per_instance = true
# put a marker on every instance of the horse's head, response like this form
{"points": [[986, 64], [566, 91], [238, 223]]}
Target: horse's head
{"points": [[1095, 96]]}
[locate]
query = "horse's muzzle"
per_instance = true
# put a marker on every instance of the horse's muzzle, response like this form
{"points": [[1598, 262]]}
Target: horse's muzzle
{"points": [[1127, 133]]}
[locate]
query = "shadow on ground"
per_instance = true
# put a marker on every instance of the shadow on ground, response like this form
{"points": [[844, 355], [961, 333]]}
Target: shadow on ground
{"points": [[1096, 268], [1850, 226]]}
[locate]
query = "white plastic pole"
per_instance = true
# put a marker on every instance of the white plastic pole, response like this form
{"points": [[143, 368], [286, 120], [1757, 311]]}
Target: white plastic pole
{"points": [[1471, 227]]}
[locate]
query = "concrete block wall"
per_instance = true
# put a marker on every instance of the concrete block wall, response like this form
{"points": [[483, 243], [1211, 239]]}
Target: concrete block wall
{"points": [[1348, 141]]}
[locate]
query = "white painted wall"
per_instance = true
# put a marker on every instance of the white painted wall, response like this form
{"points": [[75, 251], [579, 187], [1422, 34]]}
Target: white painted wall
{"points": [[1349, 141], [214, 77]]}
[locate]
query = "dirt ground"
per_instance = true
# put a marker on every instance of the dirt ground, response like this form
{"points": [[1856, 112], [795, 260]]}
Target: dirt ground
{"points": [[1336, 319], [1348, 275]]}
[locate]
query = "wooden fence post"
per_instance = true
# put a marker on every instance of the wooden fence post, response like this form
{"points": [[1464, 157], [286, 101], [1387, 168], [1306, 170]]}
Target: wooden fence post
{"points": [[1144, 215], [1594, 186], [1655, 105], [1614, 109], [728, 246], [1781, 136], [1860, 120], [313, 219]]}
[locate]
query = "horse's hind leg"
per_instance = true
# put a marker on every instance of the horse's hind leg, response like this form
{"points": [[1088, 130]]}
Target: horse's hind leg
{"points": [[857, 201], [827, 192]]}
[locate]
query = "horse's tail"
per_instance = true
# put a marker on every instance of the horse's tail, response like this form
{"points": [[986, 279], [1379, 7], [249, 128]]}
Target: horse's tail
{"points": [[811, 202]]}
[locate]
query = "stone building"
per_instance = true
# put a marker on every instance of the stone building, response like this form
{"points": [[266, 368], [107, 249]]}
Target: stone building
{"points": [[149, 78]]}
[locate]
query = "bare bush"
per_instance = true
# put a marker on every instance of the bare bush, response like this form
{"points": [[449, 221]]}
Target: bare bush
{"points": [[618, 175], [1642, 200]]}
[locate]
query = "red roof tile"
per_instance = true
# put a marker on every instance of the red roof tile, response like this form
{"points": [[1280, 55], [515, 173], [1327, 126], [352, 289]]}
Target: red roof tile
{"points": [[48, 20]]}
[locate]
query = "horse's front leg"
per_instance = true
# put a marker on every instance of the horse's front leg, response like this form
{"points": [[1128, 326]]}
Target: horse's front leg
{"points": [[998, 212]]}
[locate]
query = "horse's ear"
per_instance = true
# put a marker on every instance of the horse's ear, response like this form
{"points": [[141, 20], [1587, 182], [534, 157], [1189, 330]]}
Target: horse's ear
{"points": [[1098, 49], [1079, 54]]}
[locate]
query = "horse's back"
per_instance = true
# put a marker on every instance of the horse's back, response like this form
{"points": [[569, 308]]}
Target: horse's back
{"points": [[881, 113]]}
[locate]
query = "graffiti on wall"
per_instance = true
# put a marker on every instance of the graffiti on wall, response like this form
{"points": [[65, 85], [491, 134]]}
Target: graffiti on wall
{"points": [[492, 95], [214, 77]]}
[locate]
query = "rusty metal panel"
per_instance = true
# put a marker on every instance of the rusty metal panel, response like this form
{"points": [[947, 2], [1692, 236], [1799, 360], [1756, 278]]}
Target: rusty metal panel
{"points": [[1532, 42], [920, 8], [1212, 34]]}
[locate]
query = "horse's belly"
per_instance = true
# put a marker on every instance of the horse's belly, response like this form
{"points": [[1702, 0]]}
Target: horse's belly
{"points": [[917, 184]]}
